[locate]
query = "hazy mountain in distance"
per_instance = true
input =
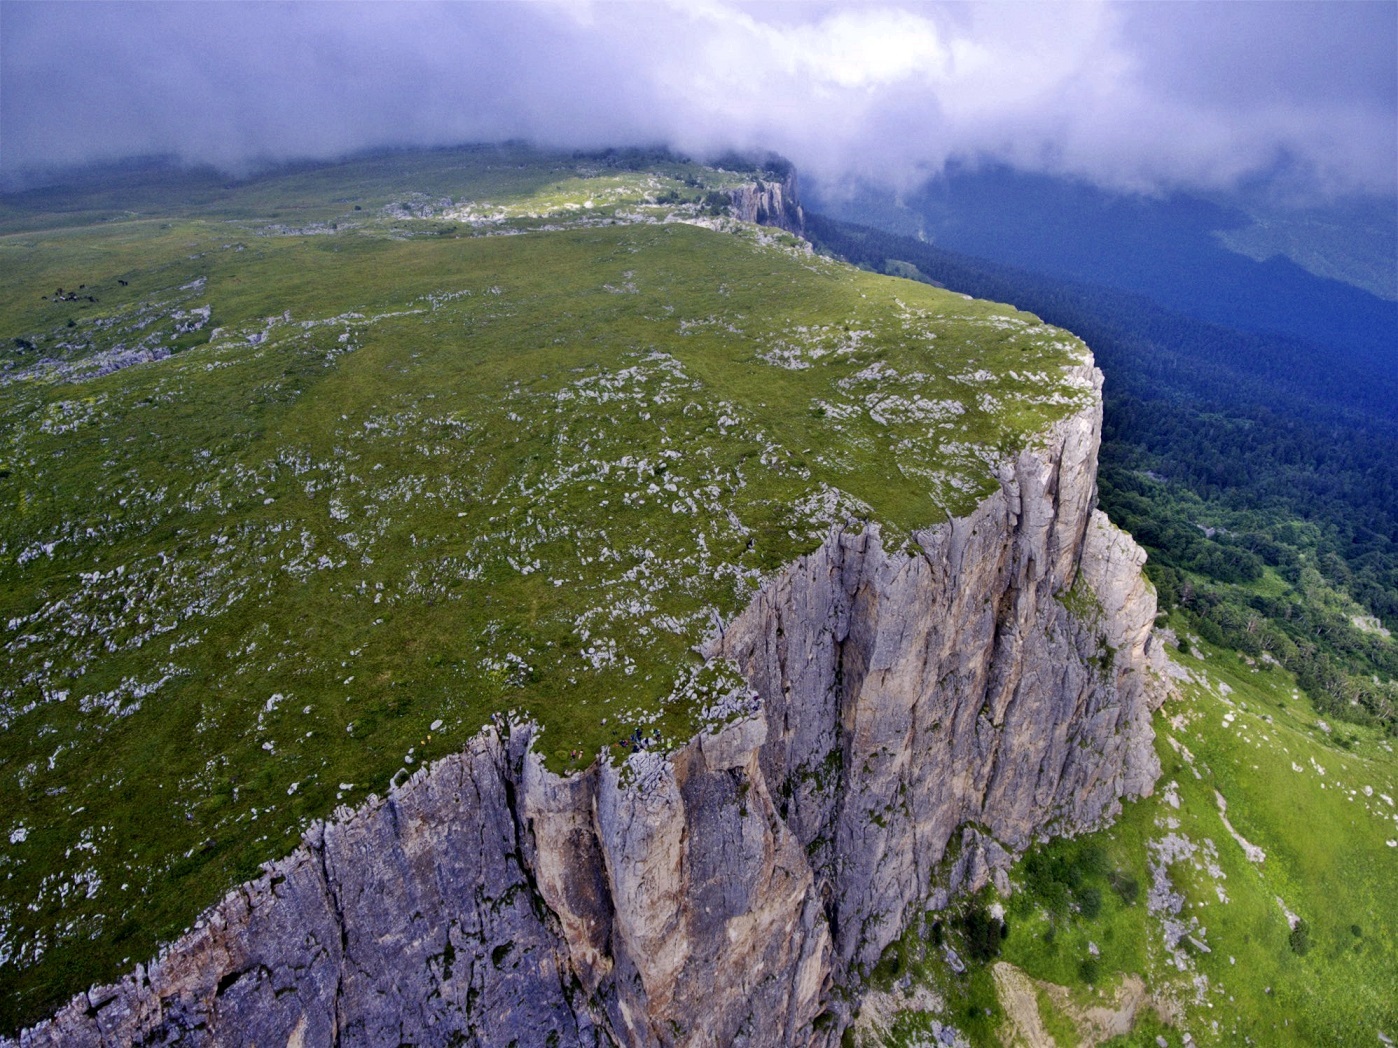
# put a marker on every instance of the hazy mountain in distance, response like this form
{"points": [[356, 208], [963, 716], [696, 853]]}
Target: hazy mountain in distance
{"points": [[1352, 241], [1326, 274]]}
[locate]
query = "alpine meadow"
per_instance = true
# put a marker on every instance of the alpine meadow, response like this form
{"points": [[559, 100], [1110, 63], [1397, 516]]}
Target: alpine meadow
{"points": [[698, 525]]}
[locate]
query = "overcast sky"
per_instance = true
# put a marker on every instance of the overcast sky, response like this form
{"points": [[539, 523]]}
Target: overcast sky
{"points": [[1136, 95]]}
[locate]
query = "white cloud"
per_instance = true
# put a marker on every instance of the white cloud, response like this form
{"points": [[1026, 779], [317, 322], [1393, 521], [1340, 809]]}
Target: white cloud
{"points": [[1136, 95]]}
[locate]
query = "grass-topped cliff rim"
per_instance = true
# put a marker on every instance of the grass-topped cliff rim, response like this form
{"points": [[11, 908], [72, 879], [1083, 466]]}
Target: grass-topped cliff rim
{"points": [[296, 504]]}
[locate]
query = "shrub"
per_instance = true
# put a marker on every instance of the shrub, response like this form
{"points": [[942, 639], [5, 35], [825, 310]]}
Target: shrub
{"points": [[984, 934], [1300, 938], [1055, 896], [1093, 860], [1125, 885], [890, 965]]}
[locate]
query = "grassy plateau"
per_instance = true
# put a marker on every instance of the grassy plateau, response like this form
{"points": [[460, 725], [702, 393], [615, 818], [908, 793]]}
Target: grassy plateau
{"points": [[305, 476]]}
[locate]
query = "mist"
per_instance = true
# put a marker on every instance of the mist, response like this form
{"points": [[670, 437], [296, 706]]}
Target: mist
{"points": [[1141, 97]]}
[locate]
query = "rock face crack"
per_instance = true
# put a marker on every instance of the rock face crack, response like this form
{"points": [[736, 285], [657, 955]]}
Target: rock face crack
{"points": [[317, 849], [923, 714]]}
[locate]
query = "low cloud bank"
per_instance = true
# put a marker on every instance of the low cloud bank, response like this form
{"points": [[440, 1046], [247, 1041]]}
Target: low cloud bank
{"points": [[1135, 96]]}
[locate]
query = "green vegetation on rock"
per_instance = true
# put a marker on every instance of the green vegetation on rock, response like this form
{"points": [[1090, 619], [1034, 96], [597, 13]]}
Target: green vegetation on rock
{"points": [[1249, 901]]}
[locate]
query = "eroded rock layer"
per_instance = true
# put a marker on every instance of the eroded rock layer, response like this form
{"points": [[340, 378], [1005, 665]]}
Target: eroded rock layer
{"points": [[924, 709]]}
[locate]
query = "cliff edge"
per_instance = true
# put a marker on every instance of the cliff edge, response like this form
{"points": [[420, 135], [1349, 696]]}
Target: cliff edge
{"points": [[770, 201], [918, 712]]}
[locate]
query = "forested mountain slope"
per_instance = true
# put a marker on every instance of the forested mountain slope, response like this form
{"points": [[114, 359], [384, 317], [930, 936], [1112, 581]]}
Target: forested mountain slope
{"points": [[1259, 471]]}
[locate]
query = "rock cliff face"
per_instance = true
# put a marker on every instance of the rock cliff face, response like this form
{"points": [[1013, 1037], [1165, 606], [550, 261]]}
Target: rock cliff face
{"points": [[769, 202], [922, 711]]}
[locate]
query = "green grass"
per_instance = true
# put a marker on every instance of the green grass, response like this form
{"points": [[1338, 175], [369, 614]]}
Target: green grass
{"points": [[402, 477], [1327, 858], [515, 178]]}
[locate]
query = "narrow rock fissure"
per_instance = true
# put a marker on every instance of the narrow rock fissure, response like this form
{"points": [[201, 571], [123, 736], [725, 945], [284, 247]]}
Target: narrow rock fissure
{"points": [[337, 914]]}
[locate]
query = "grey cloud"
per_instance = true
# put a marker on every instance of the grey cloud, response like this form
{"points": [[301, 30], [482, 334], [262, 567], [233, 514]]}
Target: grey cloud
{"points": [[1140, 96]]}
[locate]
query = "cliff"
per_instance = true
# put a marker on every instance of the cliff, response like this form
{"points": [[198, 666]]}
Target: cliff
{"points": [[919, 712], [770, 202]]}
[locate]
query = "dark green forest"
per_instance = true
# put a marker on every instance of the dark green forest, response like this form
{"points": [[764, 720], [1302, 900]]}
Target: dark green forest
{"points": [[1260, 472]]}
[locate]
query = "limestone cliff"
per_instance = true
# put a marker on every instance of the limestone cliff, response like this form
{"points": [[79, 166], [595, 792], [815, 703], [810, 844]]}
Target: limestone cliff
{"points": [[769, 201], [985, 682]]}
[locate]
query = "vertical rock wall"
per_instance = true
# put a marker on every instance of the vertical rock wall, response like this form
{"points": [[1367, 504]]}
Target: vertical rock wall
{"points": [[769, 202], [987, 682], [998, 673]]}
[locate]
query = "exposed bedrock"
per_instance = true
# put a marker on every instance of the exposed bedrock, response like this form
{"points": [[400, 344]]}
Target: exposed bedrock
{"points": [[769, 202], [926, 709]]}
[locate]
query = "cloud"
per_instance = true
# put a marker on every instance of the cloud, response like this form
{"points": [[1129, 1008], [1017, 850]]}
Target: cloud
{"points": [[1139, 95]]}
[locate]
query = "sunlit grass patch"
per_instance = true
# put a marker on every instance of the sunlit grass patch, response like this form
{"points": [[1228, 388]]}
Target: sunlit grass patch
{"points": [[1212, 926]]}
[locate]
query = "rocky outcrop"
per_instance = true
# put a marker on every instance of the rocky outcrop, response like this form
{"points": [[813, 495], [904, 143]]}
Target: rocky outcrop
{"points": [[923, 710], [995, 674], [770, 201]]}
